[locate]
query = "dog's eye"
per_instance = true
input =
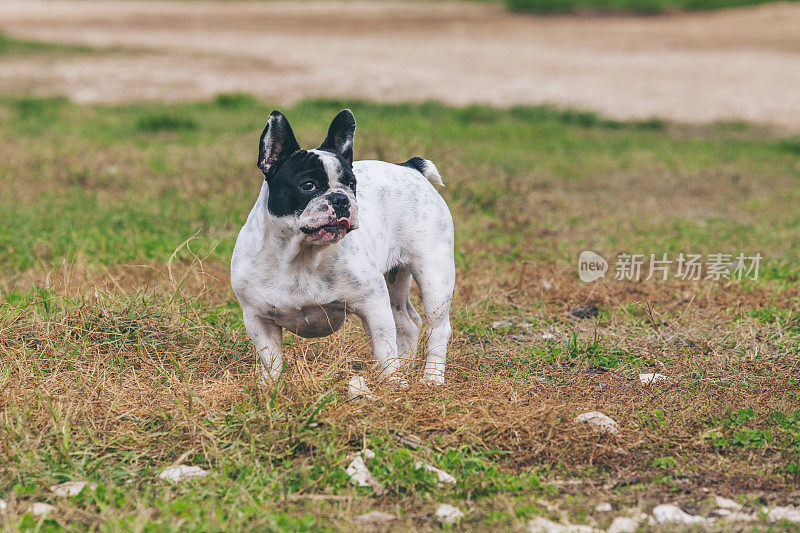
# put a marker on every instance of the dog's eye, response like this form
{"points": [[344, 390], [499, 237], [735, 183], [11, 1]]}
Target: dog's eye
{"points": [[308, 186]]}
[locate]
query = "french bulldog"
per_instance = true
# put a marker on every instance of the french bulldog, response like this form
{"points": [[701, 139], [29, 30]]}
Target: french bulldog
{"points": [[329, 237]]}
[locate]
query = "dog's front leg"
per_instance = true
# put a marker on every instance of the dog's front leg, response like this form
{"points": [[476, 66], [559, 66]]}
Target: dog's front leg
{"points": [[267, 338], [378, 320]]}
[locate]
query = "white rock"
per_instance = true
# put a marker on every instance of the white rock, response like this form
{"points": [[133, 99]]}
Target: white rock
{"points": [[647, 379], [375, 518], [623, 524], [547, 336], [178, 473], [668, 513], [360, 474], [603, 507], [40, 508], [447, 514], [790, 514], [599, 420], [357, 388], [444, 477], [510, 323], [412, 441], [725, 503], [71, 488], [546, 284], [734, 516], [3, 504], [543, 525]]}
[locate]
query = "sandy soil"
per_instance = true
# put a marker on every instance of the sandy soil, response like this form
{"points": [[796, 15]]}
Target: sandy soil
{"points": [[728, 65]]}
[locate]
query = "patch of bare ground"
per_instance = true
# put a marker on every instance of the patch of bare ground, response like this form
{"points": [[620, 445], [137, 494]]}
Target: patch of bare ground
{"points": [[741, 64]]}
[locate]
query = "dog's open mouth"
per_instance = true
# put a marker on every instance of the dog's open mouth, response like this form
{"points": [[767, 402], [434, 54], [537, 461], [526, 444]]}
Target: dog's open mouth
{"points": [[329, 232]]}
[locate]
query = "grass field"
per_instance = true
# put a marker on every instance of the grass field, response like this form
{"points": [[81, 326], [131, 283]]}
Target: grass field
{"points": [[123, 351], [645, 7], [17, 47]]}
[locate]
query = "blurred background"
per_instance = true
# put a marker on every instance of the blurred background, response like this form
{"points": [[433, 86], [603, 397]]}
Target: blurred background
{"points": [[685, 60]]}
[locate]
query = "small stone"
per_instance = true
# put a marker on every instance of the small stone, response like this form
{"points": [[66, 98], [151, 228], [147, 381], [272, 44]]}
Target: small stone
{"points": [[444, 477], [72, 488], [3, 504], [547, 284], [40, 508], [790, 514], [511, 323], [547, 336], [734, 516], [584, 311], [668, 513], [600, 421], [725, 503], [543, 525], [447, 514], [357, 388], [623, 524], [360, 474], [647, 379], [412, 441], [374, 518], [178, 473], [603, 507]]}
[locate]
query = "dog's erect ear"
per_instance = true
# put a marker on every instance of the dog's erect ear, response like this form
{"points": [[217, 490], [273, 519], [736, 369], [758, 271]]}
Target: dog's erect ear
{"points": [[340, 135], [277, 142]]}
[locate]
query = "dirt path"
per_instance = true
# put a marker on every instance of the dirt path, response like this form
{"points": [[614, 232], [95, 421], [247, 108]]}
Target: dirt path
{"points": [[736, 64]]}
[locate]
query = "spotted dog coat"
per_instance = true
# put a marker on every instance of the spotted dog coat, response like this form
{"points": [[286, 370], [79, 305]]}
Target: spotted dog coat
{"points": [[328, 237]]}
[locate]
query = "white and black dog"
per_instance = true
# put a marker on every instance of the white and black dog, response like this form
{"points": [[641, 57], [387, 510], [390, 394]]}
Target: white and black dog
{"points": [[298, 263]]}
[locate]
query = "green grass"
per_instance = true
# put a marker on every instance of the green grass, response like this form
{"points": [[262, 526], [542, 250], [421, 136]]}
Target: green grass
{"points": [[648, 7], [194, 171], [14, 46], [123, 348]]}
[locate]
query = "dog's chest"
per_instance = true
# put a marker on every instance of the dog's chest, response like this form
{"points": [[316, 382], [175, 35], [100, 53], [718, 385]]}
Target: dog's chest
{"points": [[307, 304]]}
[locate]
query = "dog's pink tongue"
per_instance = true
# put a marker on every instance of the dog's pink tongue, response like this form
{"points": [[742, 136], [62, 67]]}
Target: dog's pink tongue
{"points": [[343, 222]]}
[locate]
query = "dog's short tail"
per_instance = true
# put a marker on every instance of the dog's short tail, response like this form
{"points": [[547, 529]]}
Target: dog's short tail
{"points": [[426, 168]]}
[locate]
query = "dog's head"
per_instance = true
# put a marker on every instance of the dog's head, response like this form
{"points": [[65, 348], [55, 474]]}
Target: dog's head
{"points": [[311, 191]]}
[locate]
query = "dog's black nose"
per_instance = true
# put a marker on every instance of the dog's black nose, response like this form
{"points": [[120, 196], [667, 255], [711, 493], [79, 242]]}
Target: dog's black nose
{"points": [[339, 201]]}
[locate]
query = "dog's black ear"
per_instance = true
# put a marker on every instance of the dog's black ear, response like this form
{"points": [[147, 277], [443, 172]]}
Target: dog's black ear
{"points": [[277, 142], [341, 134]]}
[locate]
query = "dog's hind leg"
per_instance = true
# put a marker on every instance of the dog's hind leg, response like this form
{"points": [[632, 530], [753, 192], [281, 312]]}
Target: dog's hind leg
{"points": [[436, 282], [406, 319]]}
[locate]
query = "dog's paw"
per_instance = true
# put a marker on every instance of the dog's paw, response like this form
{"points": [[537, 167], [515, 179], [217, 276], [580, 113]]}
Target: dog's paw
{"points": [[269, 378], [433, 379], [398, 381]]}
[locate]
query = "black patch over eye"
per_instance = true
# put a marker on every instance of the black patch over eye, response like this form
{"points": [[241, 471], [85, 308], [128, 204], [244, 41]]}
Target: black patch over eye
{"points": [[308, 186]]}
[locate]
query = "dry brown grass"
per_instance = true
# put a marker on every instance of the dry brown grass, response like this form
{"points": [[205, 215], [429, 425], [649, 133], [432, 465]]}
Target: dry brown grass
{"points": [[113, 358]]}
